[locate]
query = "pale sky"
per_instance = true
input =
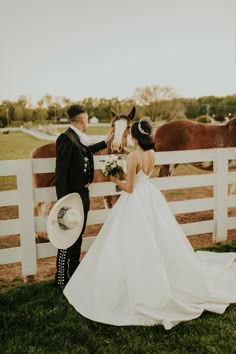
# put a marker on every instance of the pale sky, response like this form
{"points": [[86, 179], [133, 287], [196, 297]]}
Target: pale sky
{"points": [[108, 48]]}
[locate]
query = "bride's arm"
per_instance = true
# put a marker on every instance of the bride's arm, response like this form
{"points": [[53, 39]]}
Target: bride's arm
{"points": [[128, 185]]}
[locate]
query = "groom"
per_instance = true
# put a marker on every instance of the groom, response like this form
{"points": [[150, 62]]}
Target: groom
{"points": [[74, 173]]}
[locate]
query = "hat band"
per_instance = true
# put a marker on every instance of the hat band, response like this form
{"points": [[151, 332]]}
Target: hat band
{"points": [[60, 217]]}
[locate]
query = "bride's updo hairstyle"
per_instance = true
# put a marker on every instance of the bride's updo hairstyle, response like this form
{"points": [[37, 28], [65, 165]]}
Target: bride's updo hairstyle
{"points": [[142, 131]]}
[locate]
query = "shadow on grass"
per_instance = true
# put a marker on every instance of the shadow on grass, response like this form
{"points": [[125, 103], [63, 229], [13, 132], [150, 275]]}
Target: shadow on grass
{"points": [[36, 318]]}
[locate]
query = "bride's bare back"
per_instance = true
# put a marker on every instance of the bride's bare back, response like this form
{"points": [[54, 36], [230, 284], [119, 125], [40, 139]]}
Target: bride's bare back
{"points": [[146, 161]]}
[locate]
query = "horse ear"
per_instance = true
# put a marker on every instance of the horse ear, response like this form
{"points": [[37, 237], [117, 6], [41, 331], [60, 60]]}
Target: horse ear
{"points": [[113, 113], [132, 113]]}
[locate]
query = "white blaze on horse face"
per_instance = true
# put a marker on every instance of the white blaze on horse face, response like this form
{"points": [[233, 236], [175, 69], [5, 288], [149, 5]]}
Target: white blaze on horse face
{"points": [[120, 127]]}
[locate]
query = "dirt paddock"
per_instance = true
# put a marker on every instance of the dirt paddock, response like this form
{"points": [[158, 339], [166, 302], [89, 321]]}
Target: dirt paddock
{"points": [[10, 274]]}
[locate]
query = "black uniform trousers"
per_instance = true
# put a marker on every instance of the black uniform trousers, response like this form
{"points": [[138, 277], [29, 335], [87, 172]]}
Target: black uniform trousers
{"points": [[69, 259]]}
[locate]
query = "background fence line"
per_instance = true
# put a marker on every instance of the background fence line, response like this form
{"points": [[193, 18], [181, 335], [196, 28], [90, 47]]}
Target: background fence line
{"points": [[25, 196]]}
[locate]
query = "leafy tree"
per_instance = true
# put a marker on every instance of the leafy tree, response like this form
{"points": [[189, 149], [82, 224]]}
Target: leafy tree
{"points": [[40, 114], [18, 113], [45, 101], [3, 121], [28, 114], [7, 111], [191, 107], [229, 103], [204, 119], [158, 102], [22, 101]]}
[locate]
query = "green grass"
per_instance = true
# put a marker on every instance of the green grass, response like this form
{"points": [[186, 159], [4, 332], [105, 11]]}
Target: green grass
{"points": [[36, 318], [17, 145], [93, 130]]}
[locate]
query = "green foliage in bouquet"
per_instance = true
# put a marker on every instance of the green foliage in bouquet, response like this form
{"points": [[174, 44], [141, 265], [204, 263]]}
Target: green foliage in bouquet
{"points": [[114, 165]]}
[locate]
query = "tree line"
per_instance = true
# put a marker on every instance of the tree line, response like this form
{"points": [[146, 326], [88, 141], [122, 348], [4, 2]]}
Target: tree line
{"points": [[159, 103]]}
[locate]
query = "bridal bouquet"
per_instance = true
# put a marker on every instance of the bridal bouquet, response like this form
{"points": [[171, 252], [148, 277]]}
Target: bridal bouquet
{"points": [[114, 165]]}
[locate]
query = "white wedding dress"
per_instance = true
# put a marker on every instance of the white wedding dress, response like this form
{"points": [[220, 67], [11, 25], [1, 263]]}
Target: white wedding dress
{"points": [[142, 270]]}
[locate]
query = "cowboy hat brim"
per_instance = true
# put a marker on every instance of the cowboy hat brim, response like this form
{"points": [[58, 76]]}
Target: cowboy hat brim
{"points": [[59, 237]]}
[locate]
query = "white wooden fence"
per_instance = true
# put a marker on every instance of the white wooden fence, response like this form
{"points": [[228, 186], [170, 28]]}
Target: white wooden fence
{"points": [[25, 196]]}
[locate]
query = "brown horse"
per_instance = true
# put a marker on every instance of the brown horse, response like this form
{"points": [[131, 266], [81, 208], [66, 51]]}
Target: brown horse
{"points": [[188, 135], [120, 123]]}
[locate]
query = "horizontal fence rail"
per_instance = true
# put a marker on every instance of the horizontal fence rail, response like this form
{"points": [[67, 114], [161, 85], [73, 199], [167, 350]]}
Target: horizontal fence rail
{"points": [[25, 196]]}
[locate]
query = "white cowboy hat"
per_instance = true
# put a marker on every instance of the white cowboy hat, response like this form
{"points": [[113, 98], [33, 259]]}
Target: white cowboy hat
{"points": [[65, 221]]}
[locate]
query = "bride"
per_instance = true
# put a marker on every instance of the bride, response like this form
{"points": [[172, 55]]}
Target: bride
{"points": [[141, 269]]}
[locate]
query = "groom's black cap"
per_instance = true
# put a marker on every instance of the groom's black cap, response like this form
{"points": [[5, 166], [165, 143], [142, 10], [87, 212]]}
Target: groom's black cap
{"points": [[74, 110]]}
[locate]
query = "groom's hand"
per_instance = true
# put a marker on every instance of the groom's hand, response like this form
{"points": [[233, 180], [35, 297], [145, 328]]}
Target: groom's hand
{"points": [[110, 135]]}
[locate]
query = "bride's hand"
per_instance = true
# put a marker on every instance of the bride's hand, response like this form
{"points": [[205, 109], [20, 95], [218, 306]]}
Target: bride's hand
{"points": [[126, 150], [114, 179]]}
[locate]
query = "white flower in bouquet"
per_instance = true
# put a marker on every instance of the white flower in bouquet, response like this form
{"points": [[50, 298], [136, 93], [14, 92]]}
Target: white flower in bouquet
{"points": [[114, 165], [123, 164]]}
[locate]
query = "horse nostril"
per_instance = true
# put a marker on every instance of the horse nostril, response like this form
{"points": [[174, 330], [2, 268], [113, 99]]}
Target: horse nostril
{"points": [[116, 148]]}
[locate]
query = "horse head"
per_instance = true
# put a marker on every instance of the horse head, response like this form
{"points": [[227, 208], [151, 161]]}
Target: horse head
{"points": [[121, 124]]}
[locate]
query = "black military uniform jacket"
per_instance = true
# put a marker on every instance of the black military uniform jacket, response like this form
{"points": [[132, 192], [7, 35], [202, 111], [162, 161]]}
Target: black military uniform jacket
{"points": [[74, 163]]}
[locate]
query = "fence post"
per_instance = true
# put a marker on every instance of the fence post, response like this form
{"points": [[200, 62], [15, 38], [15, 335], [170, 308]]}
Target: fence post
{"points": [[26, 217], [221, 195]]}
